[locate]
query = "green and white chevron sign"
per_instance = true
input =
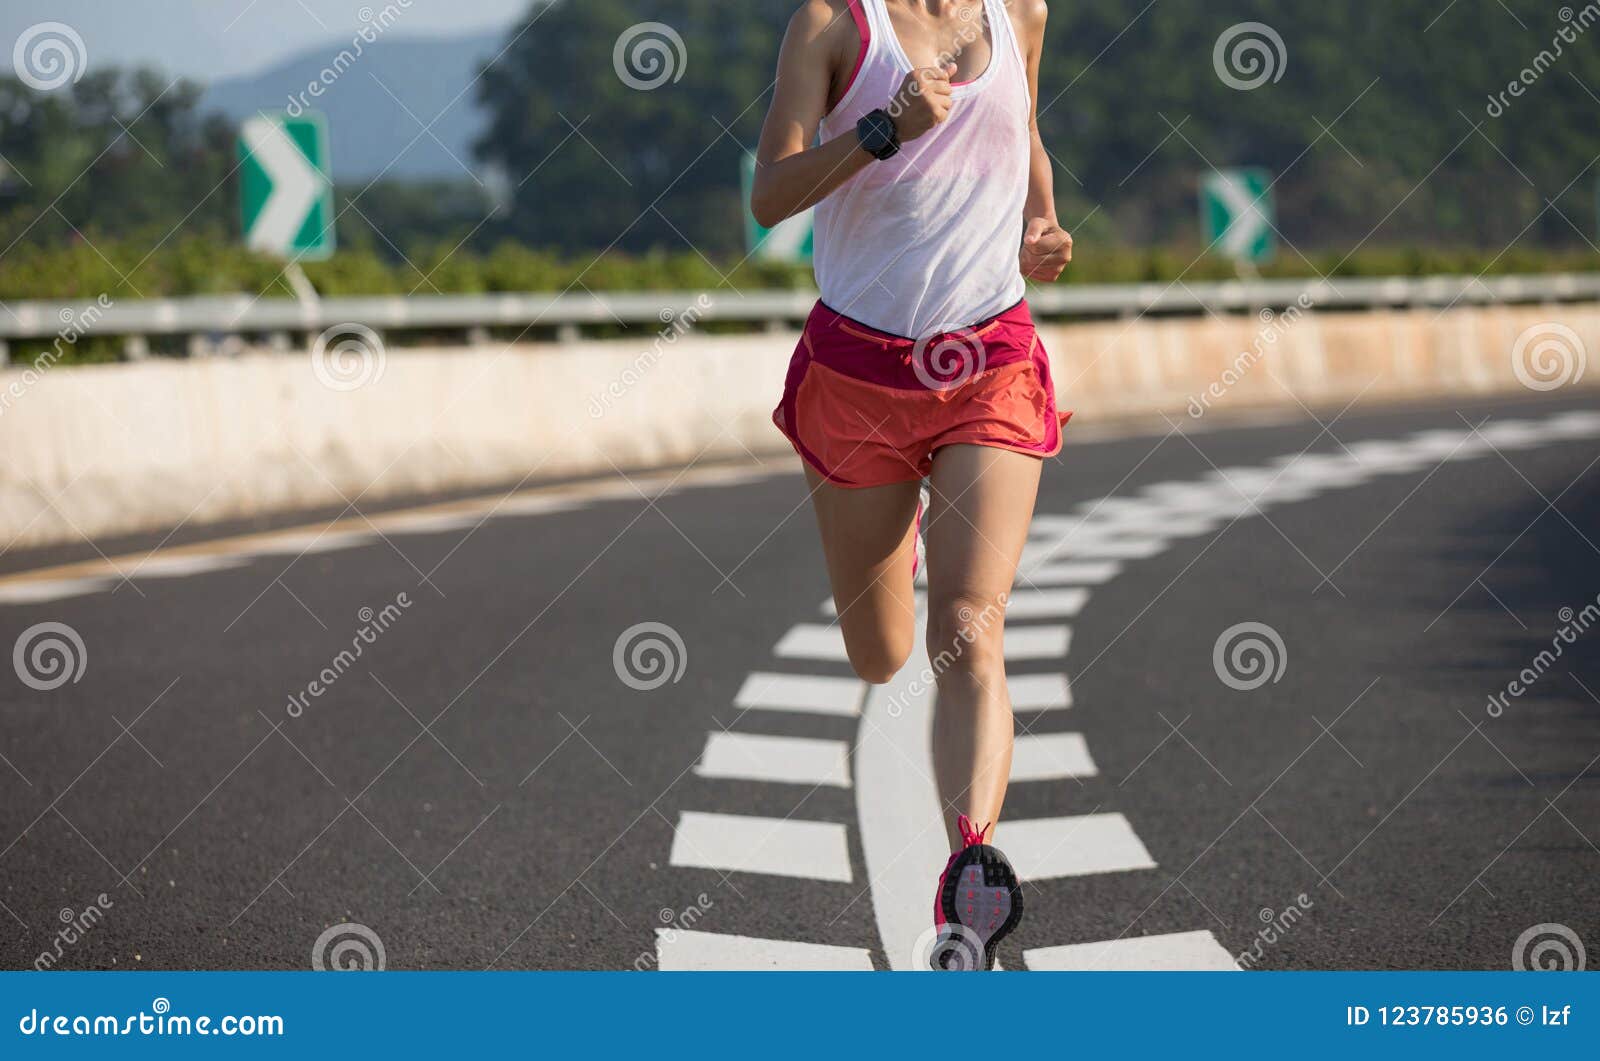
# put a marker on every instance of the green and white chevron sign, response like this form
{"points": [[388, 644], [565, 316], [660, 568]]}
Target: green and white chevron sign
{"points": [[790, 241], [285, 195], [1236, 213]]}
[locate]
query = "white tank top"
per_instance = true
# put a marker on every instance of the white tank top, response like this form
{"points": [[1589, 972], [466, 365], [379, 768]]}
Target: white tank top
{"points": [[927, 241]]}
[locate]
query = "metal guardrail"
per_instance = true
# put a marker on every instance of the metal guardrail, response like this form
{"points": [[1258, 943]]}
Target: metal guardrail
{"points": [[239, 315]]}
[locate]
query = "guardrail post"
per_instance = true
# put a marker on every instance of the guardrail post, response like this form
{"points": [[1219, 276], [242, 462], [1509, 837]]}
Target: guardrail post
{"points": [[478, 335], [567, 333], [5, 353], [199, 346], [279, 342], [136, 348]]}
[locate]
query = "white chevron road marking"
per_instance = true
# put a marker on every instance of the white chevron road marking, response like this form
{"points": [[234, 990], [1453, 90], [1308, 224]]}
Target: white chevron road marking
{"points": [[1176, 952]]}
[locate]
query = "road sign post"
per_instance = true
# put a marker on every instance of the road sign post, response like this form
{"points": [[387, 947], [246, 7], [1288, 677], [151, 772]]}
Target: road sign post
{"points": [[285, 194], [1237, 215], [790, 241]]}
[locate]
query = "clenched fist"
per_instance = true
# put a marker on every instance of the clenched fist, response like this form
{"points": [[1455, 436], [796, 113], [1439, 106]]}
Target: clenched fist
{"points": [[1046, 250], [922, 102]]}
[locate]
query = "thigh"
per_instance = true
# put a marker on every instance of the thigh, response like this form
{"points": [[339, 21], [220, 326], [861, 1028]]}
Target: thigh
{"points": [[978, 523], [867, 540]]}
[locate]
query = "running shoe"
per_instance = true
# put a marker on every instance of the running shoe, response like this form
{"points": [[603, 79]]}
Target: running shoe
{"points": [[977, 905]]}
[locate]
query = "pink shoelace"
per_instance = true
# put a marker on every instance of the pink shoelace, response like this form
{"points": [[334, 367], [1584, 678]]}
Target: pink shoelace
{"points": [[969, 836]]}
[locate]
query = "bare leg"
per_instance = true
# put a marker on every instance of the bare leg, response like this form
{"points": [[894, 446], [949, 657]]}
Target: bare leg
{"points": [[867, 539], [982, 504]]}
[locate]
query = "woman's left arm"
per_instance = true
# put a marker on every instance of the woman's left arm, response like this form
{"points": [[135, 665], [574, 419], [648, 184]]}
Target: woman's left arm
{"points": [[1046, 246]]}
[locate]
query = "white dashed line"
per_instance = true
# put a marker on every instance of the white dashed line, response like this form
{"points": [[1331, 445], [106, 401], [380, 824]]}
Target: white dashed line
{"points": [[1039, 692], [1070, 573], [1176, 952], [1051, 757], [780, 847], [784, 760], [52, 590], [1046, 603], [1042, 848], [183, 566], [685, 951], [812, 693]]}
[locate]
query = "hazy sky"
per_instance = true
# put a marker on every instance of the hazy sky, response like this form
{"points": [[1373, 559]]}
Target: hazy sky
{"points": [[206, 39]]}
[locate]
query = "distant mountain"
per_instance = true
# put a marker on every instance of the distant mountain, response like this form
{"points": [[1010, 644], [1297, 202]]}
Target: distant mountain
{"points": [[367, 102]]}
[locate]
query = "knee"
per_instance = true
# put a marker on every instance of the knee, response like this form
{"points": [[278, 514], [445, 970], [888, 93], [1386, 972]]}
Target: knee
{"points": [[966, 633], [878, 659]]}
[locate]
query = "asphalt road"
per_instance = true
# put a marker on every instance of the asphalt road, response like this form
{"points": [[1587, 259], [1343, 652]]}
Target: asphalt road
{"points": [[480, 787]]}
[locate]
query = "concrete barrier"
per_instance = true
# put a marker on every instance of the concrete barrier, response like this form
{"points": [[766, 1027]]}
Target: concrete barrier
{"points": [[97, 451]]}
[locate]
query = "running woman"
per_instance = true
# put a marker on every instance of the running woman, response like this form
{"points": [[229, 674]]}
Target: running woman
{"points": [[911, 126]]}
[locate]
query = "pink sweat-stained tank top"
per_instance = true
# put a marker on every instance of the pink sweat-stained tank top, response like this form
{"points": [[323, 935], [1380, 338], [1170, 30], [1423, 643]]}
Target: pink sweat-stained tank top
{"points": [[927, 241]]}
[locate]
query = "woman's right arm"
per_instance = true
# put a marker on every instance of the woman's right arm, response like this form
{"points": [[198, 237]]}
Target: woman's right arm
{"points": [[792, 176]]}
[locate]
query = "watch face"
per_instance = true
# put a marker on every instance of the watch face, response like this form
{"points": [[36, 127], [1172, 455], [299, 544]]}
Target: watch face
{"points": [[877, 133]]}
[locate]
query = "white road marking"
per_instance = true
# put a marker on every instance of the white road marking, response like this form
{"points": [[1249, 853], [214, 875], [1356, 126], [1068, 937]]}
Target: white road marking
{"points": [[800, 692], [182, 565], [42, 592], [820, 641], [1515, 434], [1041, 848], [1051, 757], [1036, 642], [1040, 692], [1046, 603], [1581, 424], [685, 951], [1382, 457], [902, 831], [1449, 444], [783, 760], [1176, 952], [781, 847], [1127, 548], [427, 523], [534, 505], [308, 543], [1070, 573], [812, 641], [1321, 473]]}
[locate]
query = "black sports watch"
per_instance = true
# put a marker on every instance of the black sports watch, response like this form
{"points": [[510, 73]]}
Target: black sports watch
{"points": [[878, 135]]}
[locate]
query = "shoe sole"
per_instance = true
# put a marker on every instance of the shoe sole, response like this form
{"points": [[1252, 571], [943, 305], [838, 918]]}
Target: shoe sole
{"points": [[982, 896]]}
